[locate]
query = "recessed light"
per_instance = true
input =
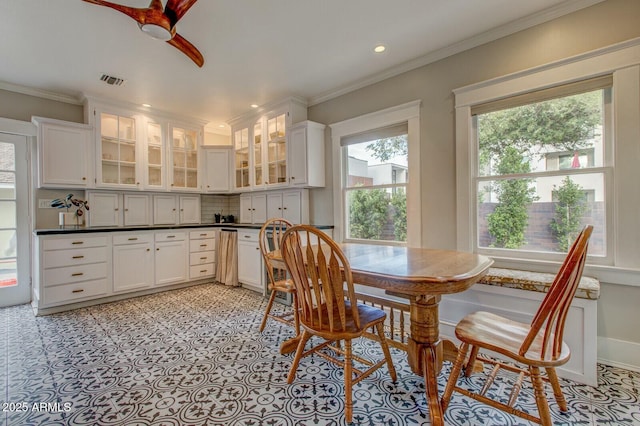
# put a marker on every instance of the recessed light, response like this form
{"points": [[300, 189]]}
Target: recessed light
{"points": [[379, 49], [221, 126], [146, 105], [254, 105]]}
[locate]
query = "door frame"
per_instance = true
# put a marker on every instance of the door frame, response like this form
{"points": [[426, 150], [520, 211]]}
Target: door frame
{"points": [[16, 130]]}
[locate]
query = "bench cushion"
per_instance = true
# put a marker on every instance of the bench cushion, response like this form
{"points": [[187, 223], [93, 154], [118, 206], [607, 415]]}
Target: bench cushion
{"points": [[589, 288]]}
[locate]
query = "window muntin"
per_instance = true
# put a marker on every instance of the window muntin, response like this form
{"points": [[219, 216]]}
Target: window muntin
{"points": [[536, 162], [375, 189]]}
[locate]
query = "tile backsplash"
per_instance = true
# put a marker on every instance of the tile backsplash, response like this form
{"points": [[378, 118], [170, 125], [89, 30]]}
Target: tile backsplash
{"points": [[223, 204]]}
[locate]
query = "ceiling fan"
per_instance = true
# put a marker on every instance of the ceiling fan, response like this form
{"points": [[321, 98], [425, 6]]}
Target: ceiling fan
{"points": [[160, 24]]}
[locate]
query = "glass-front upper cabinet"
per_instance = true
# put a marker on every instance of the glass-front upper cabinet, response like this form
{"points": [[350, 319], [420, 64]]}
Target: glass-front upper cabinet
{"points": [[257, 154], [276, 150], [184, 158], [118, 147], [241, 145], [155, 178]]}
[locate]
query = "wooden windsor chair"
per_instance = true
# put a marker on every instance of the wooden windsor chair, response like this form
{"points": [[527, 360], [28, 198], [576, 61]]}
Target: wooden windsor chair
{"points": [[269, 239], [329, 309], [531, 346]]}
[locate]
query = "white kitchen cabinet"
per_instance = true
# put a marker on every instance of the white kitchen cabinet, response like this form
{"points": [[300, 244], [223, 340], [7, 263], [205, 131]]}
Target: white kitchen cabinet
{"points": [[132, 261], [215, 172], [171, 258], [253, 208], [71, 268], [183, 153], [155, 176], [118, 149], [65, 154], [261, 143], [104, 208], [202, 253], [291, 205], [165, 209], [137, 209], [250, 268], [189, 209], [306, 154]]}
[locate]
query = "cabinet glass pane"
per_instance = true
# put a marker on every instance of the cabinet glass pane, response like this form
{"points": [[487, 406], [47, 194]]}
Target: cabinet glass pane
{"points": [[192, 160], [178, 177], [192, 178], [127, 174], [126, 128], [178, 158], [190, 140], [118, 145], [155, 176], [154, 156], [109, 125]]}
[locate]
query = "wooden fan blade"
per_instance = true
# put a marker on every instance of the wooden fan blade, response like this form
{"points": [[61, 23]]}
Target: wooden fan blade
{"points": [[187, 48], [175, 9], [135, 13]]}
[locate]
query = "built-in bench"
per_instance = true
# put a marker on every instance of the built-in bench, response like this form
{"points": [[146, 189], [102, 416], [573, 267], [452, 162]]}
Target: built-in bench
{"points": [[515, 294]]}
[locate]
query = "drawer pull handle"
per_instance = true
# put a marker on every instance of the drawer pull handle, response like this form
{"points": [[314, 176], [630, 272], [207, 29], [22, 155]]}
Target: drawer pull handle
{"points": [[203, 258], [171, 236], [77, 274], [203, 271], [77, 291], [203, 245], [247, 236], [203, 235], [133, 239], [77, 242], [78, 257]]}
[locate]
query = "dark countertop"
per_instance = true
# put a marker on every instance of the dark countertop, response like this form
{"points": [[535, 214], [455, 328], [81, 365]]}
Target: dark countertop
{"points": [[84, 230]]}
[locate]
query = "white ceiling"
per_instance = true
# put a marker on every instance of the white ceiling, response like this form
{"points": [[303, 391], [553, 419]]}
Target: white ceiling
{"points": [[256, 51]]}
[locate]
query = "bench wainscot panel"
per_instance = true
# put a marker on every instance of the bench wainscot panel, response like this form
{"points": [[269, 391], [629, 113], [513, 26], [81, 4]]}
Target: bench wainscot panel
{"points": [[517, 295]]}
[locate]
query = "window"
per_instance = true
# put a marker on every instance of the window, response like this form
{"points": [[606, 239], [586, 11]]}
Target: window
{"points": [[374, 199], [375, 191], [536, 162]]}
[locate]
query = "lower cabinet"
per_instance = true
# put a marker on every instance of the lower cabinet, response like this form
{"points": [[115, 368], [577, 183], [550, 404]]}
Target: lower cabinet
{"points": [[202, 253], [250, 261], [171, 258], [132, 262]]}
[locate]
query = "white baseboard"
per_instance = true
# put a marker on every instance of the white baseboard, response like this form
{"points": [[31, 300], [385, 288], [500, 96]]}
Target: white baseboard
{"points": [[619, 353]]}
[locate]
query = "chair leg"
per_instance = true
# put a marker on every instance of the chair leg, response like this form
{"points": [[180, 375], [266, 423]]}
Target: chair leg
{"points": [[557, 391], [541, 399], [296, 360], [296, 313], [453, 376], [468, 369], [385, 351], [348, 380], [268, 310]]}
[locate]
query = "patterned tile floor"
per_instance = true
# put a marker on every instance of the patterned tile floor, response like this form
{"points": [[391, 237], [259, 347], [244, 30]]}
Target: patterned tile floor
{"points": [[195, 357]]}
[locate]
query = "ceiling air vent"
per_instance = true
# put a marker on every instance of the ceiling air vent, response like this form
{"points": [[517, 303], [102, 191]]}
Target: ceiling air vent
{"points": [[112, 81]]}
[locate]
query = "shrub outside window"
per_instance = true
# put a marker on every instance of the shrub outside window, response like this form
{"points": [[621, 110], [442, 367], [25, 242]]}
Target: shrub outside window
{"points": [[541, 173]]}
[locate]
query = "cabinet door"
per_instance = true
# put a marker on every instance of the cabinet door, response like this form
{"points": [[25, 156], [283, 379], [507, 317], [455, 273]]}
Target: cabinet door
{"points": [[104, 209], [165, 210], [132, 266], [64, 155], [306, 154], [249, 265], [276, 149], [189, 209], [137, 209], [216, 170], [117, 151], [241, 158], [259, 208], [298, 156], [171, 262], [292, 207], [184, 159], [155, 176], [245, 209], [274, 205]]}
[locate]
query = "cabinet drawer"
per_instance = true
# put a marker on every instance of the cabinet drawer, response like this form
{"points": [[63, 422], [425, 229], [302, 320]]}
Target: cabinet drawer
{"points": [[67, 243], [195, 235], [202, 245], [119, 240], [81, 256], [171, 236], [72, 274], [202, 257], [201, 271], [247, 236], [70, 292]]}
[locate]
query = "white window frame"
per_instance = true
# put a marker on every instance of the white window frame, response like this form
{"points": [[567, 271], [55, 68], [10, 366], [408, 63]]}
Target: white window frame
{"points": [[406, 113], [622, 194]]}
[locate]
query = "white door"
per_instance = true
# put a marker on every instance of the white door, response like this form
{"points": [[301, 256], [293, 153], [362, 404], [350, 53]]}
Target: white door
{"points": [[165, 211], [274, 205], [137, 209], [104, 209], [14, 228]]}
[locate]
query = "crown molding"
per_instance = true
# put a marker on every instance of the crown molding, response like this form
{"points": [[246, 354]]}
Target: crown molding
{"points": [[40, 93], [480, 39]]}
